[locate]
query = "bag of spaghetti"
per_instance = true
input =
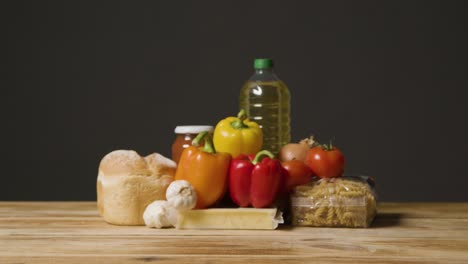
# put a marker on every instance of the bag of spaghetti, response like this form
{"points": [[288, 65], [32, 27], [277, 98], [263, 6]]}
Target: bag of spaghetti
{"points": [[348, 201]]}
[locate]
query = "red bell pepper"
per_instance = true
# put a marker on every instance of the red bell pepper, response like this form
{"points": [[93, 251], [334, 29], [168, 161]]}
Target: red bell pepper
{"points": [[254, 182]]}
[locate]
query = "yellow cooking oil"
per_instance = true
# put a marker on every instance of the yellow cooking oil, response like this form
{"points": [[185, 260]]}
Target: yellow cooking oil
{"points": [[266, 100]]}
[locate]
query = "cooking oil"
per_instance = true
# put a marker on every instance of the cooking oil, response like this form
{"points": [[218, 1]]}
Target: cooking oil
{"points": [[266, 100]]}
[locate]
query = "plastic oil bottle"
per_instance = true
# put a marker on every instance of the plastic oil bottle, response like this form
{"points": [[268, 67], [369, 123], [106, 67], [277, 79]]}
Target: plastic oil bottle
{"points": [[266, 100]]}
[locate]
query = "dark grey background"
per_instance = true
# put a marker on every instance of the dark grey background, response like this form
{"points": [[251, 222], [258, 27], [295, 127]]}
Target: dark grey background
{"points": [[387, 79]]}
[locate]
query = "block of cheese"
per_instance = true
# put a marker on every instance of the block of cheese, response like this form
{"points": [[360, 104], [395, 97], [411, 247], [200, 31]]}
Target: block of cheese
{"points": [[230, 218]]}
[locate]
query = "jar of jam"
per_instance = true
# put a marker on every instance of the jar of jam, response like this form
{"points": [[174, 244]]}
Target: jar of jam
{"points": [[184, 137]]}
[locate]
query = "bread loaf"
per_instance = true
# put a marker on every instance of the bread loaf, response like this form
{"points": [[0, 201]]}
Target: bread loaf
{"points": [[127, 183]]}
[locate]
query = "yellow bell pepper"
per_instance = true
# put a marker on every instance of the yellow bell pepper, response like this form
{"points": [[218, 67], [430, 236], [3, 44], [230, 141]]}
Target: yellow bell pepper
{"points": [[238, 135]]}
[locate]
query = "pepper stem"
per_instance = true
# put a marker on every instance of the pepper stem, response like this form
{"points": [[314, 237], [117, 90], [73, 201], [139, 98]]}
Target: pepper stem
{"points": [[204, 136], [239, 122], [260, 155], [242, 115]]}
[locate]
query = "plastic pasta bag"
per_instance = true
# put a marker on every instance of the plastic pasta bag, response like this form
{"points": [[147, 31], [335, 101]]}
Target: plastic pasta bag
{"points": [[335, 202]]}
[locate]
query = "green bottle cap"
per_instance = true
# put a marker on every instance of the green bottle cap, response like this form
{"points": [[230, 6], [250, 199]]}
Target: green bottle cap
{"points": [[263, 64]]}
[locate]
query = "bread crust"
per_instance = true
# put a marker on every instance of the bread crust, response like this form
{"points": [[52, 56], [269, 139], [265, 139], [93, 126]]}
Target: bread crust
{"points": [[127, 183]]}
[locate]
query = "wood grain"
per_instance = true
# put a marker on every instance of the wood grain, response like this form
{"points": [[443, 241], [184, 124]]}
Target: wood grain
{"points": [[72, 232]]}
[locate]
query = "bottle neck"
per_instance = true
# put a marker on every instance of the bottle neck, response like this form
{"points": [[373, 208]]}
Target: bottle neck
{"points": [[265, 71], [264, 75]]}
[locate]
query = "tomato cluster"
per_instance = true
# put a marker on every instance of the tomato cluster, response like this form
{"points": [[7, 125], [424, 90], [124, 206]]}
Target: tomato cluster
{"points": [[323, 161]]}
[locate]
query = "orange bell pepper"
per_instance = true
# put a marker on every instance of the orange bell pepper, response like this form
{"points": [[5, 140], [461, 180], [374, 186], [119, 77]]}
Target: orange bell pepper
{"points": [[206, 170]]}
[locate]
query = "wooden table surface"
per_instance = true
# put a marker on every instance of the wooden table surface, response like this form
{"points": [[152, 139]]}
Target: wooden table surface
{"points": [[72, 232]]}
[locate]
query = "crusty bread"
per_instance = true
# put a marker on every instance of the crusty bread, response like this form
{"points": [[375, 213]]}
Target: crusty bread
{"points": [[127, 183]]}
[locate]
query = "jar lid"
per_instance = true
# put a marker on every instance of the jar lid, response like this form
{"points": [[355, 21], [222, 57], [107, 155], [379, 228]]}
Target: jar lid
{"points": [[192, 129]]}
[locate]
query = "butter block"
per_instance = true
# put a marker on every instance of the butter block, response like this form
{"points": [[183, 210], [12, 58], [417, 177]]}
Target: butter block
{"points": [[227, 218]]}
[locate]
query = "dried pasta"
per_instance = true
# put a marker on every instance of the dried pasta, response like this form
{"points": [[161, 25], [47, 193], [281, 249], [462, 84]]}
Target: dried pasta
{"points": [[336, 202]]}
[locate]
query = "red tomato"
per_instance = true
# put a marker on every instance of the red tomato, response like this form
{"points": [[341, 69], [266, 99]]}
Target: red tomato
{"points": [[297, 173], [325, 161]]}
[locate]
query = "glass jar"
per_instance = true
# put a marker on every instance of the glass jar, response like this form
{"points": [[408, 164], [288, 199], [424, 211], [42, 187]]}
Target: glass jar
{"points": [[184, 137]]}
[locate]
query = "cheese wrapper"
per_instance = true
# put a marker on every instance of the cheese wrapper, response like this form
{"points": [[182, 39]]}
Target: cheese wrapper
{"points": [[224, 218]]}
